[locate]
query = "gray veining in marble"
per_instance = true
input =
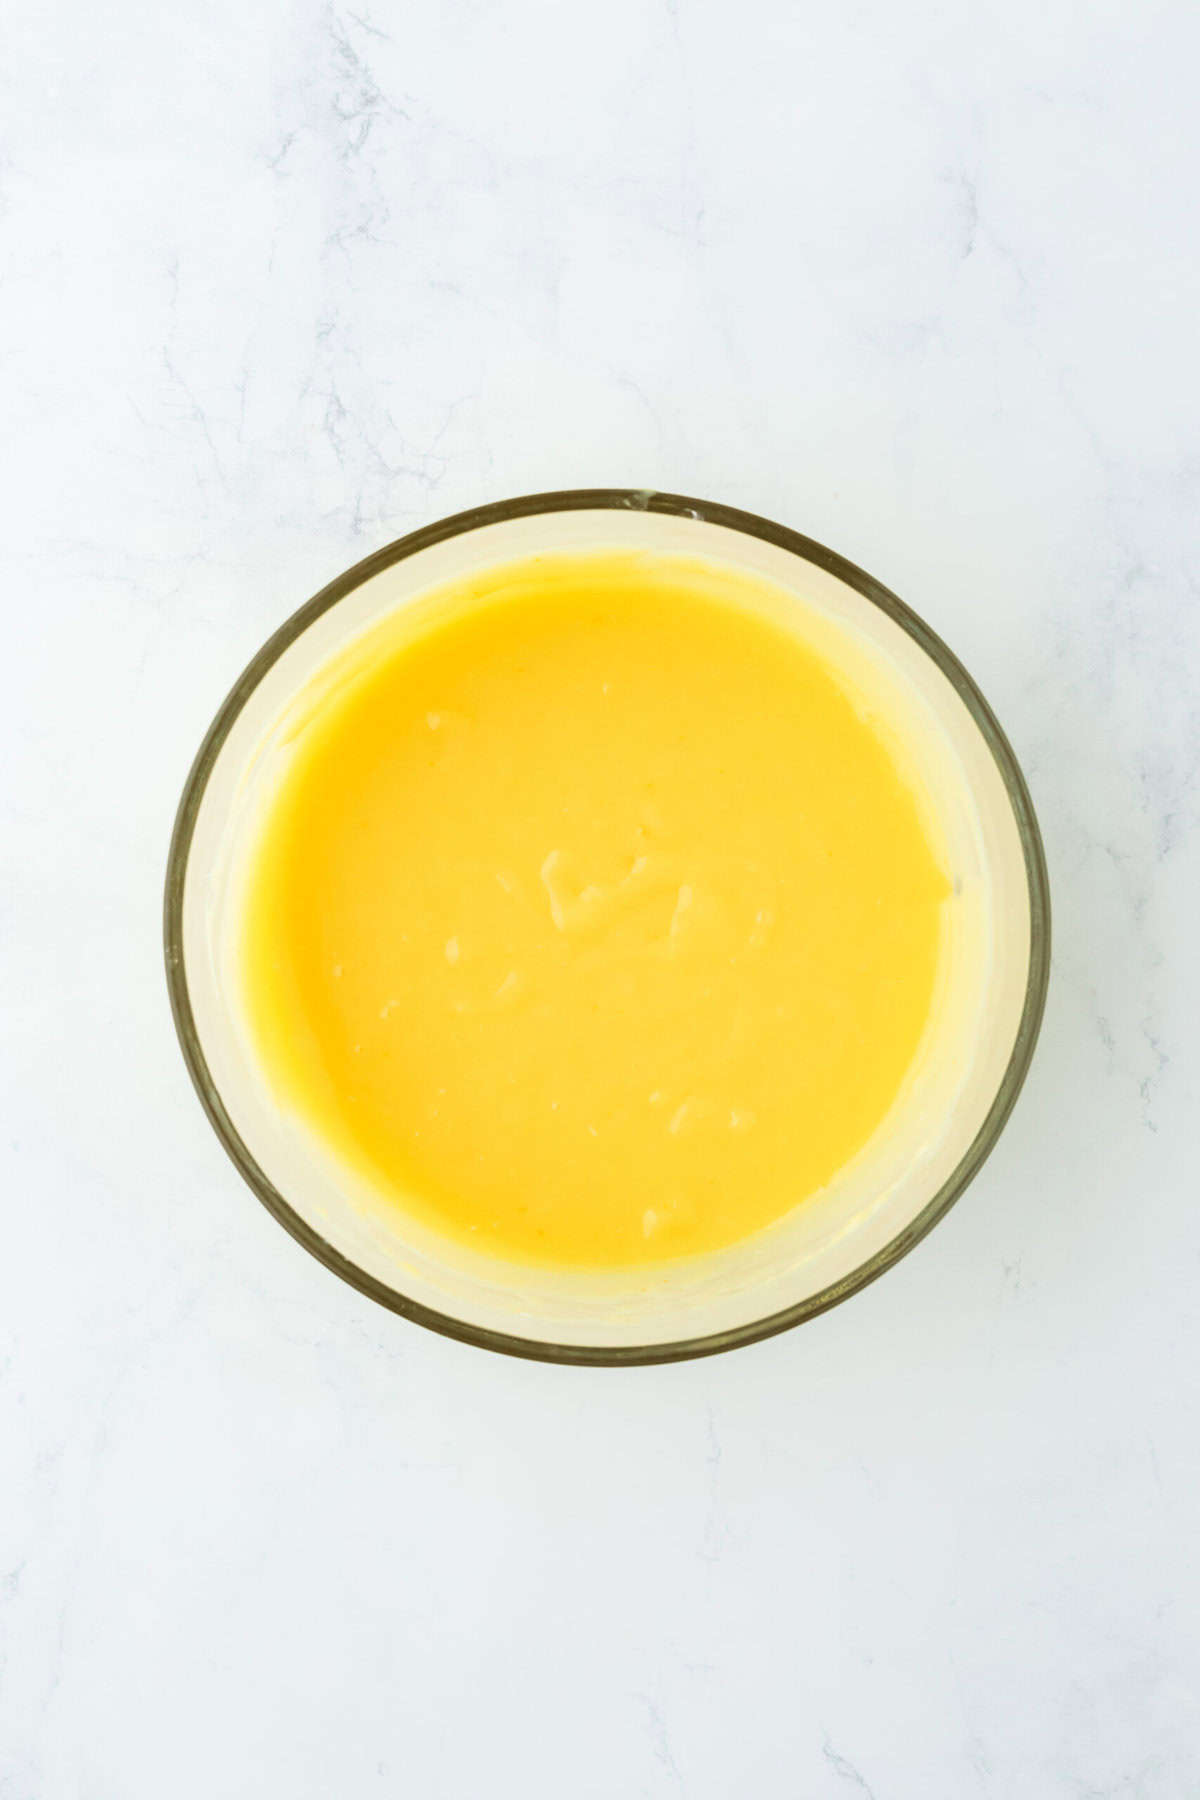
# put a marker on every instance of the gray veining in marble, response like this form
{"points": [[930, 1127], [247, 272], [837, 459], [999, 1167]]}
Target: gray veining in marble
{"points": [[281, 281]]}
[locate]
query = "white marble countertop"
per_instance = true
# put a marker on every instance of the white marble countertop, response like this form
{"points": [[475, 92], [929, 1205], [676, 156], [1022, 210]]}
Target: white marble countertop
{"points": [[282, 281]]}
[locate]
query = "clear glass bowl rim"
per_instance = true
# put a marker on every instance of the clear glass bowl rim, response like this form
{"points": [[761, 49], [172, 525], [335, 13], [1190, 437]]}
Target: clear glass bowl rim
{"points": [[637, 500]]}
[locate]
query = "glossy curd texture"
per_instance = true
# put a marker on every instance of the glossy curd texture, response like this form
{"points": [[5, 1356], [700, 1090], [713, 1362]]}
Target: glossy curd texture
{"points": [[592, 919]]}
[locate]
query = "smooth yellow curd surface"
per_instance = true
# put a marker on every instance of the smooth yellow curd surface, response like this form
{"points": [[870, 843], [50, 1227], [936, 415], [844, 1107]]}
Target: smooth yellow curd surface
{"points": [[591, 919]]}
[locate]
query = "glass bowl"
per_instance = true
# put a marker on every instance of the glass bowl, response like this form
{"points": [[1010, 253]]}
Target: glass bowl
{"points": [[930, 1145]]}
